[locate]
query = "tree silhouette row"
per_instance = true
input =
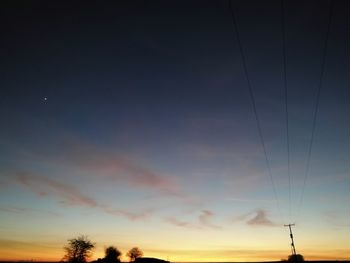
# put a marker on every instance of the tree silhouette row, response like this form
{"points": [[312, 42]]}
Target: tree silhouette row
{"points": [[79, 250]]}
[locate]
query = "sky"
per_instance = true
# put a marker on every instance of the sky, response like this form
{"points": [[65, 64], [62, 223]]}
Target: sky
{"points": [[131, 123]]}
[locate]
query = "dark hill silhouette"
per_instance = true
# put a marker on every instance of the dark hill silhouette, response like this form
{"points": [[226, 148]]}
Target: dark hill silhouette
{"points": [[150, 260], [163, 261], [146, 260], [138, 260]]}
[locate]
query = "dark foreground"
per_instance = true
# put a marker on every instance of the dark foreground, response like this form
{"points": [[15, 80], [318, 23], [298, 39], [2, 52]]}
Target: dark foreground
{"points": [[283, 261]]}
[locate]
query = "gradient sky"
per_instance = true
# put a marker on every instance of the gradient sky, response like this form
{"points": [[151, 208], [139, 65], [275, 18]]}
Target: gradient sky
{"points": [[132, 123]]}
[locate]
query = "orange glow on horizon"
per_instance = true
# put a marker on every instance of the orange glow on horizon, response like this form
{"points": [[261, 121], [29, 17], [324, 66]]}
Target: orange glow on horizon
{"points": [[32, 253]]}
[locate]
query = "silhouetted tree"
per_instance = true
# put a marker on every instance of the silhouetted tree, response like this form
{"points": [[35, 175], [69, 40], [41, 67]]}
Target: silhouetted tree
{"points": [[112, 255], [134, 253], [296, 258], [78, 249]]}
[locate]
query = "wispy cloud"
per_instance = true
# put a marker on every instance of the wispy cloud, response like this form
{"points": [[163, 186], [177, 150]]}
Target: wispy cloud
{"points": [[255, 218], [69, 150], [205, 218], [94, 159], [260, 219], [130, 215], [180, 223], [139, 176], [44, 186], [70, 195]]}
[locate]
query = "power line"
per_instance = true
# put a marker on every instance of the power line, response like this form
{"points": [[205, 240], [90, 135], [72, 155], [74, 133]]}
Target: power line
{"points": [[251, 94], [323, 64], [286, 103]]}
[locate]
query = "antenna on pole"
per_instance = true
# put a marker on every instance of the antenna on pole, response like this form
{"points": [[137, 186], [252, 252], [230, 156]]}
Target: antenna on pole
{"points": [[291, 237]]}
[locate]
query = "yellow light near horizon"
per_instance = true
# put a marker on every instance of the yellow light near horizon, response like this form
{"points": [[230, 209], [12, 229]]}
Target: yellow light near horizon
{"points": [[20, 251], [18, 254]]}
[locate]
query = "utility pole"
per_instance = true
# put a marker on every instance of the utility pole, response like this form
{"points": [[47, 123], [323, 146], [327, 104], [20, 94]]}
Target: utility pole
{"points": [[291, 237]]}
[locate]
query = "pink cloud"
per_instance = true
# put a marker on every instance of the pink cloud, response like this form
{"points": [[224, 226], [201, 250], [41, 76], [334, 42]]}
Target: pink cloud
{"points": [[105, 163], [68, 149], [139, 176], [44, 186], [70, 195]]}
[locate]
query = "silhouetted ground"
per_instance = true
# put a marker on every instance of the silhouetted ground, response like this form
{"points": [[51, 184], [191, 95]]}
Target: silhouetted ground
{"points": [[148, 260]]}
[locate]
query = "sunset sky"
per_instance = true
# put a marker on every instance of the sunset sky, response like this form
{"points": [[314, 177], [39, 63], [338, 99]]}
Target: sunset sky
{"points": [[132, 123]]}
